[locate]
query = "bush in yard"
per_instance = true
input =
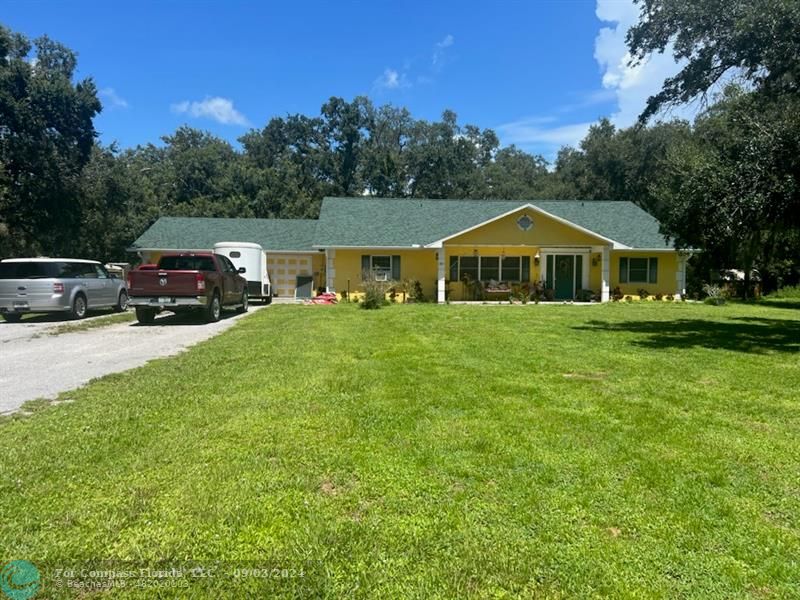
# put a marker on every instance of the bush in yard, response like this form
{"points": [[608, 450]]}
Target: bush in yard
{"points": [[643, 294], [714, 295], [537, 291], [415, 291], [789, 292], [524, 293], [374, 291], [616, 294]]}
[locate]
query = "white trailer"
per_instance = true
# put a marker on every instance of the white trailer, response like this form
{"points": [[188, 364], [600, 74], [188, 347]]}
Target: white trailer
{"points": [[254, 260]]}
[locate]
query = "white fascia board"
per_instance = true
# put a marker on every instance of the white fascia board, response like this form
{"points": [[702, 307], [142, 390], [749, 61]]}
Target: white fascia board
{"points": [[633, 249], [419, 247]]}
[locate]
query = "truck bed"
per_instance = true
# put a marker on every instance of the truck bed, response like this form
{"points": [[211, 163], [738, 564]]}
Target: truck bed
{"points": [[164, 283]]}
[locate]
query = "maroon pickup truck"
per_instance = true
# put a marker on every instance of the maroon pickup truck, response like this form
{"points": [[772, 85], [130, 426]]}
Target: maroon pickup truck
{"points": [[199, 281]]}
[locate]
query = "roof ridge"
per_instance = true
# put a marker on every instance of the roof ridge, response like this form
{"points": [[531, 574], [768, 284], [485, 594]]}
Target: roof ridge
{"points": [[521, 201]]}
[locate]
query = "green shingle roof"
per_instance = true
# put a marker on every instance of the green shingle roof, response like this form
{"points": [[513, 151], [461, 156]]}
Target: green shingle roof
{"points": [[200, 233], [395, 222], [405, 222]]}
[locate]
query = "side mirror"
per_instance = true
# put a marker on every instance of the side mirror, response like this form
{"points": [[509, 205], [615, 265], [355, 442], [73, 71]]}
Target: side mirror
{"points": [[113, 275], [241, 270]]}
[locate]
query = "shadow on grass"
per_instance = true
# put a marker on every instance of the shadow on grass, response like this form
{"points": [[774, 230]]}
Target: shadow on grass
{"points": [[780, 303], [740, 334]]}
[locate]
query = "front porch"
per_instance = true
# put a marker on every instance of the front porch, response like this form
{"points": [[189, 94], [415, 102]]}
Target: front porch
{"points": [[548, 273]]}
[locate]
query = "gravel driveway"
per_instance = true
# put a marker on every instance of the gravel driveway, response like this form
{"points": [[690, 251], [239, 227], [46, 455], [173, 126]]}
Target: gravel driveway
{"points": [[74, 358]]}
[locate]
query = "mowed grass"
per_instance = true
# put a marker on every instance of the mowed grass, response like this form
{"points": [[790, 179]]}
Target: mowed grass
{"points": [[627, 450]]}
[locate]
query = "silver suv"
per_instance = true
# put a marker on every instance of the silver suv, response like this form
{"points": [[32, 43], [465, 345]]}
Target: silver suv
{"points": [[71, 285]]}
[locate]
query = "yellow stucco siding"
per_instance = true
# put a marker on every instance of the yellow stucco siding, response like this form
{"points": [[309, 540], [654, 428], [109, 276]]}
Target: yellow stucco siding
{"points": [[150, 256], [666, 281], [414, 264], [546, 231], [595, 272]]}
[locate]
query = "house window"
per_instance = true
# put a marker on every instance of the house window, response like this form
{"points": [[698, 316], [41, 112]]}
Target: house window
{"points": [[638, 270], [490, 268], [381, 267], [381, 263], [510, 268], [487, 268], [469, 268]]}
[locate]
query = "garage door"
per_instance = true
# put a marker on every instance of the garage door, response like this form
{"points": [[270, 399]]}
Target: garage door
{"points": [[284, 270]]}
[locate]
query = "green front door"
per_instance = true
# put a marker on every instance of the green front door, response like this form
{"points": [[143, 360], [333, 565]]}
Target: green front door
{"points": [[564, 283]]}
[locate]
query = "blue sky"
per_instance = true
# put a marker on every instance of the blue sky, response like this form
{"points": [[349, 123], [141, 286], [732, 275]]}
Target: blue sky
{"points": [[537, 72]]}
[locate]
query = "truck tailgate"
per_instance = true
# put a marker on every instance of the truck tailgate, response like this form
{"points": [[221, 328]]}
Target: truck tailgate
{"points": [[163, 283]]}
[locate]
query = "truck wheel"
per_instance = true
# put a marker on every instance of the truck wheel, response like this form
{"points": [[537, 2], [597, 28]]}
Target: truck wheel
{"points": [[214, 309], [145, 315], [245, 303], [122, 302], [12, 317], [267, 299], [78, 310]]}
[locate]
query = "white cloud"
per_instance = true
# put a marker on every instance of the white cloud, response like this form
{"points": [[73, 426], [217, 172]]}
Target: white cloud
{"points": [[218, 109], [391, 80], [395, 79], [542, 131], [439, 49], [113, 98], [633, 85], [625, 86]]}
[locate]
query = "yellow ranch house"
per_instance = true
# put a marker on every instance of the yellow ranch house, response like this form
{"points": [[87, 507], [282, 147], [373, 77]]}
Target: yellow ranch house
{"points": [[458, 250]]}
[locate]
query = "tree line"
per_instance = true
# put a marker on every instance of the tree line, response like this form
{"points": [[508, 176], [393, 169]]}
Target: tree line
{"points": [[726, 184]]}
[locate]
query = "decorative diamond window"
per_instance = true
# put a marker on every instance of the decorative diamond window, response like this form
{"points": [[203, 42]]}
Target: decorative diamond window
{"points": [[525, 222]]}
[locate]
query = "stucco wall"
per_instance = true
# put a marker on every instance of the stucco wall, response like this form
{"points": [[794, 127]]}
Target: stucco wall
{"points": [[545, 231], [666, 282], [414, 264]]}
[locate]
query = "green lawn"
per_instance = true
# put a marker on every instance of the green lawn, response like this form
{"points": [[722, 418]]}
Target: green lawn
{"points": [[636, 450]]}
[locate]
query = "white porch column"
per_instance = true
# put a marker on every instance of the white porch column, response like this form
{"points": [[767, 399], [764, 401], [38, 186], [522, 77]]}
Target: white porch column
{"points": [[605, 274], [680, 276], [440, 282], [330, 270]]}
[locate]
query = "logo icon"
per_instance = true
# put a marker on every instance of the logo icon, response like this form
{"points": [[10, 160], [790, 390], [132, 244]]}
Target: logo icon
{"points": [[162, 282], [19, 580]]}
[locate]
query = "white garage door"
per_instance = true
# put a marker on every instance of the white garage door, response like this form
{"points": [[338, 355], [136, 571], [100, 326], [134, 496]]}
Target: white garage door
{"points": [[284, 269]]}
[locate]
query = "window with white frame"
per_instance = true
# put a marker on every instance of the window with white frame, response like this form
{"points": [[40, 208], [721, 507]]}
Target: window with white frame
{"points": [[381, 267], [490, 268], [638, 270], [511, 268]]}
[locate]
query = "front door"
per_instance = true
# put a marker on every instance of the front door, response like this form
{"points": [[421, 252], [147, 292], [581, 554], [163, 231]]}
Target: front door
{"points": [[564, 277]]}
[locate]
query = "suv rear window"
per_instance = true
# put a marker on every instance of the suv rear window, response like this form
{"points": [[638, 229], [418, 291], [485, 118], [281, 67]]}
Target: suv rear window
{"points": [[187, 263], [28, 270], [42, 270]]}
